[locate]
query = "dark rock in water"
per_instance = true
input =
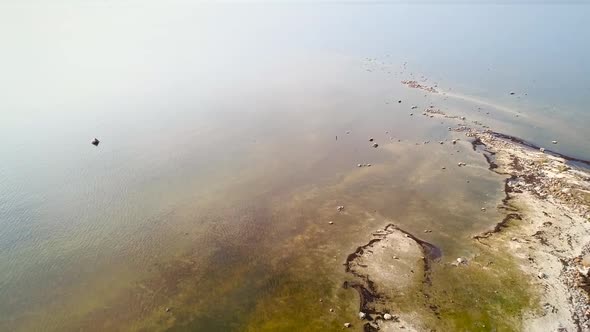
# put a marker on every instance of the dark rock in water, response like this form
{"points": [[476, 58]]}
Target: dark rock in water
{"points": [[95, 142]]}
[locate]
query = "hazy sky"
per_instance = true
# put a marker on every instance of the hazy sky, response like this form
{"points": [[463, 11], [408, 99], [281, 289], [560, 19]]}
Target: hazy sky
{"points": [[60, 55]]}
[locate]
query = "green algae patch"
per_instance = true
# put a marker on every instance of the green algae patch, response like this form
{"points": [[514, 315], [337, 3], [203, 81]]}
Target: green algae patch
{"points": [[304, 305], [490, 293]]}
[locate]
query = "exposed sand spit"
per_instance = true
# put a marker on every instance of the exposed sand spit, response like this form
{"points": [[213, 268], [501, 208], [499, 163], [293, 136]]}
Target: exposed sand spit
{"points": [[392, 262]]}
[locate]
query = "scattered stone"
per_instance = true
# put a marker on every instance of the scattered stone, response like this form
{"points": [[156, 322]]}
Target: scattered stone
{"points": [[387, 317], [554, 142], [443, 168], [411, 114], [414, 107], [375, 145], [542, 149], [512, 93], [167, 309], [321, 300], [347, 325], [461, 164], [395, 257], [441, 142], [462, 118], [371, 139], [340, 208], [583, 270], [368, 165], [347, 132], [541, 275], [331, 310], [454, 141], [460, 261], [359, 165], [483, 209], [95, 142], [399, 101], [362, 315], [331, 222]]}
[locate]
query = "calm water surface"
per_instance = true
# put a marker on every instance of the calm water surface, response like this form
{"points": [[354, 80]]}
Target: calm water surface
{"points": [[224, 150]]}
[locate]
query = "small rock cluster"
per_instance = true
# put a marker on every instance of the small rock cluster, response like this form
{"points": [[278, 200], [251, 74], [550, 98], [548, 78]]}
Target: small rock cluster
{"points": [[460, 261]]}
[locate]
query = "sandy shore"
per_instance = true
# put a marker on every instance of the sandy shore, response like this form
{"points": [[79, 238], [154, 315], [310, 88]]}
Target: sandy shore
{"points": [[546, 231], [547, 228]]}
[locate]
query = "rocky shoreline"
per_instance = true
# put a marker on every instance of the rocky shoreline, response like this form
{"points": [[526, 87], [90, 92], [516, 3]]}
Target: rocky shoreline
{"points": [[546, 229]]}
